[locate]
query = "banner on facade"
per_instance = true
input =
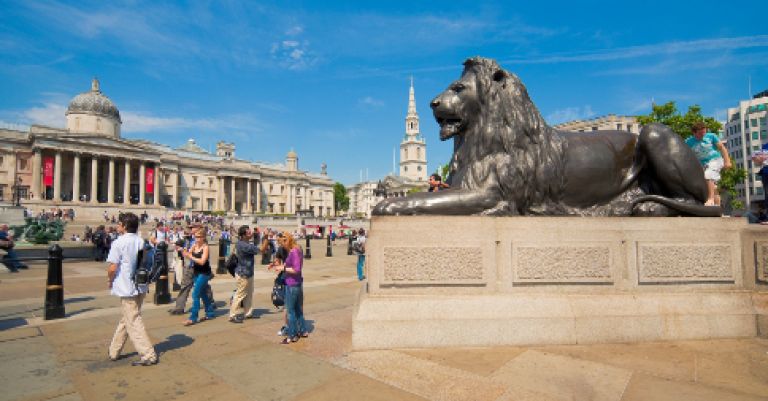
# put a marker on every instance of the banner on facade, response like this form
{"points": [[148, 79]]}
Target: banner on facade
{"points": [[48, 171], [150, 180]]}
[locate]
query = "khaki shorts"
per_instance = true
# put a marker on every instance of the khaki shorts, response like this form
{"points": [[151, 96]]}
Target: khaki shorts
{"points": [[712, 169]]}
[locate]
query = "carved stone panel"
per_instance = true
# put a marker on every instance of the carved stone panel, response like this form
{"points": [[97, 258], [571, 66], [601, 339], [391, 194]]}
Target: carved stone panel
{"points": [[684, 263], [761, 253], [562, 264], [433, 265]]}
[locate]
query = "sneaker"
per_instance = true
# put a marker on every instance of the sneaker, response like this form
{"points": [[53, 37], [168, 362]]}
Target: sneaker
{"points": [[13, 270], [176, 311], [282, 331], [235, 319], [22, 266], [140, 362]]}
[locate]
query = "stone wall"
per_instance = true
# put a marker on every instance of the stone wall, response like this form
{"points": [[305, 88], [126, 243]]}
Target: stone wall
{"points": [[578, 279]]}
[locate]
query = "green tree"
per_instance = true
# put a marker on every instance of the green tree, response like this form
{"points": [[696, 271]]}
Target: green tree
{"points": [[443, 170], [340, 198], [668, 115]]}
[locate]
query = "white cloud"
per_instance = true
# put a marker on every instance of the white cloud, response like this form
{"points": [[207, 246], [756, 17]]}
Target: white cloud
{"points": [[294, 30], [370, 102], [666, 48], [570, 114], [148, 123]]}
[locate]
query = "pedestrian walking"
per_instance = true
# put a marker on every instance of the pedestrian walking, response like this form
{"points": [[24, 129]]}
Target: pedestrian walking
{"points": [[123, 260]]}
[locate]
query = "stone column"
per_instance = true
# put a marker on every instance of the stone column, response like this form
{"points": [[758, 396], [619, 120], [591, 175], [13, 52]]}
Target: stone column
{"points": [[175, 200], [142, 182], [291, 194], [248, 201], [94, 179], [232, 195], [127, 183], [258, 196], [156, 200], [57, 177], [76, 178], [220, 193], [111, 182], [37, 164]]}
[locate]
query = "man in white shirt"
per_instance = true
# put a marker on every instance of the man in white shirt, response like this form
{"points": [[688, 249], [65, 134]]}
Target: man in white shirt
{"points": [[122, 264]]}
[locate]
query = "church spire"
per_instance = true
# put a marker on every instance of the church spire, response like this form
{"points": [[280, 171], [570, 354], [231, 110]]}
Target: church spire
{"points": [[412, 101]]}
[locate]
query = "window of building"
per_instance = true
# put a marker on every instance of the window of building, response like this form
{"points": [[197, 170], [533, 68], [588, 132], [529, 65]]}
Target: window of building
{"points": [[763, 134], [2, 160], [405, 168], [755, 135], [762, 120], [418, 168], [619, 127], [270, 188], [759, 190], [756, 147], [210, 183], [751, 191], [754, 122], [594, 128], [194, 183], [282, 189]]}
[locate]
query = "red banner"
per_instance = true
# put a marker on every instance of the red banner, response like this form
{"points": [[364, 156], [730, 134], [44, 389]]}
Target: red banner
{"points": [[48, 171], [150, 180]]}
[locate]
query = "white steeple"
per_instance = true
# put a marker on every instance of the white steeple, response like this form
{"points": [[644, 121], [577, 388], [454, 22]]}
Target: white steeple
{"points": [[413, 148]]}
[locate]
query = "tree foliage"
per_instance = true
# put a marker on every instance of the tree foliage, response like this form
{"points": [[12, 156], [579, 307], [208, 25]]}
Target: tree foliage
{"points": [[668, 115], [340, 197]]}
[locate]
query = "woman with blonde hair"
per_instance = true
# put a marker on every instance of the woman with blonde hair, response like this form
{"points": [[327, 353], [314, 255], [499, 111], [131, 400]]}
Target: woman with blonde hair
{"points": [[294, 293], [198, 254]]}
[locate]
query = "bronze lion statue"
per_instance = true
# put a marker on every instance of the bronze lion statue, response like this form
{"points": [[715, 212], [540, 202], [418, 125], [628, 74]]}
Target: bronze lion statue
{"points": [[508, 161]]}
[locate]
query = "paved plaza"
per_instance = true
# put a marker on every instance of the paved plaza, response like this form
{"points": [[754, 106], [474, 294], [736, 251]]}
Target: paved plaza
{"points": [[66, 359]]}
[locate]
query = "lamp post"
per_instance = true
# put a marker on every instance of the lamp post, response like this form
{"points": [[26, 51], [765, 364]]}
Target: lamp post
{"points": [[17, 191]]}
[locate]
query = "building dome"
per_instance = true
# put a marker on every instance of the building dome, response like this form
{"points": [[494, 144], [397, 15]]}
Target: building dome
{"points": [[291, 155], [93, 102]]}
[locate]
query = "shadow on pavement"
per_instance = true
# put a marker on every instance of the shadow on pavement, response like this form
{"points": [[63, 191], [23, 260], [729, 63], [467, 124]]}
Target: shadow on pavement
{"points": [[78, 299], [173, 342], [12, 323]]}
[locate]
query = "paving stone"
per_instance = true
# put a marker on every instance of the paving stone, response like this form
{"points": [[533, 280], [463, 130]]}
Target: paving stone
{"points": [[643, 387], [481, 361], [272, 372], [667, 360], [354, 387], [424, 378], [563, 378]]}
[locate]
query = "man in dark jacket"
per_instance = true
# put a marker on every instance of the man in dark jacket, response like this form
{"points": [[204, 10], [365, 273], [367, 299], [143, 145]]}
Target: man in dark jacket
{"points": [[99, 239], [246, 250]]}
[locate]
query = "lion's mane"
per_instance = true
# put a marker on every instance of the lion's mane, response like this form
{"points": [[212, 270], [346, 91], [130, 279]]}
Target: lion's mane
{"points": [[508, 146]]}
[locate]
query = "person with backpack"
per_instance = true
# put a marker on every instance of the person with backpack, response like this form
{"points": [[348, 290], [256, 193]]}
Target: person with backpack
{"points": [[359, 248], [244, 251], [99, 239], [294, 292], [123, 262]]}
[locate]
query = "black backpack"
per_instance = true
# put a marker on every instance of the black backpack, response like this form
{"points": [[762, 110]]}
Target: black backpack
{"points": [[231, 263], [149, 265], [278, 290]]}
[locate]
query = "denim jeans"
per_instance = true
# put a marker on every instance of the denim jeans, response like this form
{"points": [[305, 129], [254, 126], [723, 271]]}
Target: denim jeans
{"points": [[360, 265], [198, 292], [294, 306]]}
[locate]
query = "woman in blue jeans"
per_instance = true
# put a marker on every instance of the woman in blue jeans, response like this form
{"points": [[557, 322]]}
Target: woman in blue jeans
{"points": [[198, 254], [294, 293]]}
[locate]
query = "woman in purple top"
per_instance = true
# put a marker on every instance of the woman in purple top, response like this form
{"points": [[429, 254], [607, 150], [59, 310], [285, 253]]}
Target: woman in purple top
{"points": [[294, 294]]}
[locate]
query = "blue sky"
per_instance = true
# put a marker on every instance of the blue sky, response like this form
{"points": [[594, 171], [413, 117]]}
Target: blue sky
{"points": [[330, 78]]}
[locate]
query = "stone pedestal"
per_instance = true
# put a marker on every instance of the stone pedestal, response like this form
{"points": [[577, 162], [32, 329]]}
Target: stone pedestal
{"points": [[477, 281]]}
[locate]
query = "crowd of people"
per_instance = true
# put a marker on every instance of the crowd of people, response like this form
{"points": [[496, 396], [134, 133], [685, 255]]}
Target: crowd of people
{"points": [[191, 263]]}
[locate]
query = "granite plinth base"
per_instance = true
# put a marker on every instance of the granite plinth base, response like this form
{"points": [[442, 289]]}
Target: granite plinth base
{"points": [[476, 281]]}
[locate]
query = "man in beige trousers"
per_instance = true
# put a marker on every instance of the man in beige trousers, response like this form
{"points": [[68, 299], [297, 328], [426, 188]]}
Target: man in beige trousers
{"points": [[246, 250], [122, 264]]}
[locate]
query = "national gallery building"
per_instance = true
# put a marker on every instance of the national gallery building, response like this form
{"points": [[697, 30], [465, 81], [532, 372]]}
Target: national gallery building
{"points": [[89, 167]]}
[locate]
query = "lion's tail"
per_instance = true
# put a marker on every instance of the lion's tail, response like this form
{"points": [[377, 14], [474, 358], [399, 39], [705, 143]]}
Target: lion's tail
{"points": [[687, 208]]}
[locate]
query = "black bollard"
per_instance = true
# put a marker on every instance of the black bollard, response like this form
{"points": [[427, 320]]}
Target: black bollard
{"points": [[328, 251], [220, 268], [350, 251], [162, 295], [308, 250], [54, 288]]}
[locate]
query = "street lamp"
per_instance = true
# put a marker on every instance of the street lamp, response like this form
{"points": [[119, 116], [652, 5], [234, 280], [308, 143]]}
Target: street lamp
{"points": [[17, 189]]}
